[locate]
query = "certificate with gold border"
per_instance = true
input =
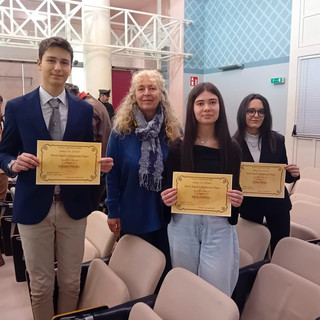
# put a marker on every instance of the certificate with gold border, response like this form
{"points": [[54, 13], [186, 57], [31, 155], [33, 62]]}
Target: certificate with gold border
{"points": [[68, 162], [202, 193], [262, 179]]}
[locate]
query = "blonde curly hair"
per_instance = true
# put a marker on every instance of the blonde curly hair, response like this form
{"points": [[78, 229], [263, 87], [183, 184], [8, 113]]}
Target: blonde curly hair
{"points": [[124, 119]]}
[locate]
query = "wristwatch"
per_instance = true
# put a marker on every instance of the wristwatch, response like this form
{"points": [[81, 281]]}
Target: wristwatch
{"points": [[10, 165]]}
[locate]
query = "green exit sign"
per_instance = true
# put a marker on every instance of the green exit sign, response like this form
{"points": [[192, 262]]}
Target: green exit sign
{"points": [[277, 80]]}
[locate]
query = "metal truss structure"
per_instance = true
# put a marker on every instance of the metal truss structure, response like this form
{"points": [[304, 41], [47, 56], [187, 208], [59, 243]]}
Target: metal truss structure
{"points": [[24, 23]]}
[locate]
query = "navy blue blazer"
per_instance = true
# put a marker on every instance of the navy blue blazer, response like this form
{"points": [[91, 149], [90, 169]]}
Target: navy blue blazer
{"points": [[24, 125]]}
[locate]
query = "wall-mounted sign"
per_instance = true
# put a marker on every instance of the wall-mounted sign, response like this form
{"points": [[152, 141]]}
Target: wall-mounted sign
{"points": [[277, 80], [194, 81]]}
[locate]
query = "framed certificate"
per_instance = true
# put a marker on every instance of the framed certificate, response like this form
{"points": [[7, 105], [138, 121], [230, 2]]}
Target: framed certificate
{"points": [[68, 162], [262, 179], [202, 193]]}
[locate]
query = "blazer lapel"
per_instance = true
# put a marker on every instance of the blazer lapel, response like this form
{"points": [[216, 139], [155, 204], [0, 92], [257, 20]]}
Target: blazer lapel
{"points": [[72, 117], [266, 154], [247, 157], [35, 114]]}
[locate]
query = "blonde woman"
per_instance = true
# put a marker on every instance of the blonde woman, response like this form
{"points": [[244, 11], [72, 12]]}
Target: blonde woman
{"points": [[143, 126]]}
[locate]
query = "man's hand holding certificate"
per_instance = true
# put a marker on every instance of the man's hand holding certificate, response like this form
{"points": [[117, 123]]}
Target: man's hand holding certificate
{"points": [[202, 193], [66, 162]]}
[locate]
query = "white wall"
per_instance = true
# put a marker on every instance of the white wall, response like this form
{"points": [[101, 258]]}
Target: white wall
{"points": [[305, 42], [235, 85], [187, 88]]}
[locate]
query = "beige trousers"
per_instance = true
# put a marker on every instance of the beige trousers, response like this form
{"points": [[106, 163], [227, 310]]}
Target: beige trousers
{"points": [[61, 238]]}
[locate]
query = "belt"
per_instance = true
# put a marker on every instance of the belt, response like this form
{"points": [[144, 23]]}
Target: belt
{"points": [[57, 197]]}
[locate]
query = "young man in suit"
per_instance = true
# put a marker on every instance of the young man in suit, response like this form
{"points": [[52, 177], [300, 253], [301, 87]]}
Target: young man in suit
{"points": [[51, 219]]}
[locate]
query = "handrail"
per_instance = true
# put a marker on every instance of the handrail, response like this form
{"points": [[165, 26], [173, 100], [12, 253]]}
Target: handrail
{"points": [[158, 37]]}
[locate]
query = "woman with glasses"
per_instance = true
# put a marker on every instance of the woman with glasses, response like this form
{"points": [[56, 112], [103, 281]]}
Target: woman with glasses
{"points": [[261, 144]]}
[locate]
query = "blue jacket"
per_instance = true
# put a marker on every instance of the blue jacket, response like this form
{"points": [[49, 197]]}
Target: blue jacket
{"points": [[24, 125], [139, 210]]}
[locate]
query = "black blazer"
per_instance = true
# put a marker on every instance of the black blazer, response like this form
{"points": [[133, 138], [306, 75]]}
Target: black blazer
{"points": [[253, 206]]}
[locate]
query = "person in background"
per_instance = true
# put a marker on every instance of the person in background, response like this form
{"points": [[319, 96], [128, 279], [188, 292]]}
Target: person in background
{"points": [[259, 143], [104, 96], [143, 127], [1, 115], [101, 131], [3, 176], [51, 219], [206, 245]]}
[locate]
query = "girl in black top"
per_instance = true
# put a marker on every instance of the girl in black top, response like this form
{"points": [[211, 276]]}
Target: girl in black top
{"points": [[205, 244]]}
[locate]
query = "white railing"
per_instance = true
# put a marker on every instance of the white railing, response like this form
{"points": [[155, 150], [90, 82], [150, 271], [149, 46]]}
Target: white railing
{"points": [[134, 33]]}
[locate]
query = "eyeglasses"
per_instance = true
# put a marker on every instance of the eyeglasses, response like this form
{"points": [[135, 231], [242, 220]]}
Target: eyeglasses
{"points": [[252, 112]]}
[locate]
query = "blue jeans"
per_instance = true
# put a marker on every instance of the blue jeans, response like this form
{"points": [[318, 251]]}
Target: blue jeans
{"points": [[207, 246]]}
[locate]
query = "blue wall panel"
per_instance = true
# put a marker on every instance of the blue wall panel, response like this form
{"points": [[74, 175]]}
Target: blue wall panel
{"points": [[227, 32]]}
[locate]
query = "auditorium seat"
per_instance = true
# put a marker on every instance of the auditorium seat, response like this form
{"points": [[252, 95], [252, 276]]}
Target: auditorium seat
{"points": [[6, 226], [253, 239], [280, 294], [103, 287], [12, 191], [298, 256], [184, 295], [305, 220], [311, 173], [303, 197], [134, 270], [99, 240], [302, 232], [308, 187]]}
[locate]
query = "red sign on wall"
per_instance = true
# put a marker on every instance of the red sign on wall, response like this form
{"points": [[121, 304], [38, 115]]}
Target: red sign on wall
{"points": [[193, 81]]}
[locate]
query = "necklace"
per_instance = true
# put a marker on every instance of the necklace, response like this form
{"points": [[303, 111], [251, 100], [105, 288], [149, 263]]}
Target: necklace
{"points": [[201, 141]]}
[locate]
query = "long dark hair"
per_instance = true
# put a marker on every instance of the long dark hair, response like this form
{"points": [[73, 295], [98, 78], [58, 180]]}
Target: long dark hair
{"points": [[266, 133], [221, 130]]}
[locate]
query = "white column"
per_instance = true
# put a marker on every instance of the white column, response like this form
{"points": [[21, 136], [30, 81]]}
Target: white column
{"points": [[159, 7], [96, 57], [176, 67]]}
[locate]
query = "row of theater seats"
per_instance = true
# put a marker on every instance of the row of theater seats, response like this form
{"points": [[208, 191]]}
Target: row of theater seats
{"points": [[99, 243], [305, 198], [253, 238], [133, 271], [10, 243], [253, 241], [286, 288], [99, 240]]}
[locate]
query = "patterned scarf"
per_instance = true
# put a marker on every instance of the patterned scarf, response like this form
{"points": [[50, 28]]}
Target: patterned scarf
{"points": [[151, 161]]}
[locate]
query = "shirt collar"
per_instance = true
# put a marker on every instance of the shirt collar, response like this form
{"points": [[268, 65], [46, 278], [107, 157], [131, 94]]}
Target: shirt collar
{"points": [[45, 97]]}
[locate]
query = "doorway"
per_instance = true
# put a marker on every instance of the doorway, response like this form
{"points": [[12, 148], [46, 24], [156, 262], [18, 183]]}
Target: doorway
{"points": [[121, 80]]}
